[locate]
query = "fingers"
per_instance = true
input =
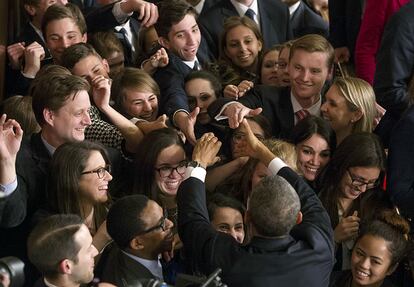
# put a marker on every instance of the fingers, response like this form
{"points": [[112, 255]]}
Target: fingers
{"points": [[255, 112], [148, 14], [231, 91]]}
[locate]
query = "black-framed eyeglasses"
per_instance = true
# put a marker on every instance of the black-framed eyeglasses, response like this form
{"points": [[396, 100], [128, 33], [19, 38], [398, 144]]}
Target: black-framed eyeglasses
{"points": [[161, 224], [166, 171], [358, 182], [100, 171]]}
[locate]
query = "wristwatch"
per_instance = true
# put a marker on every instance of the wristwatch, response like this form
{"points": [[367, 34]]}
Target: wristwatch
{"points": [[194, 164]]}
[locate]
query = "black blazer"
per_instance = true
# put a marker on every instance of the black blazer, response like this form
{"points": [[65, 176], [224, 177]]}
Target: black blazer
{"points": [[274, 23], [302, 258], [121, 270], [276, 104], [305, 21]]}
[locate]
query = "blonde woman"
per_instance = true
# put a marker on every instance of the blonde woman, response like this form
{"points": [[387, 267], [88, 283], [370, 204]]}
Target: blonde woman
{"points": [[349, 107]]}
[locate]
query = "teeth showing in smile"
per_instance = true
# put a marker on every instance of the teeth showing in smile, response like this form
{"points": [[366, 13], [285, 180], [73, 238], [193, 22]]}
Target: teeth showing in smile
{"points": [[311, 169], [172, 184], [362, 274]]}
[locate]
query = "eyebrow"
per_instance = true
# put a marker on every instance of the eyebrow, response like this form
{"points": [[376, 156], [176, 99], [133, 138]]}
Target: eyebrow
{"points": [[183, 31]]}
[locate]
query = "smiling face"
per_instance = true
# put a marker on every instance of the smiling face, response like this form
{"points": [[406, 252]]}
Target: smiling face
{"points": [[313, 154], [242, 46], [337, 112], [90, 67], [184, 38], [140, 104], [370, 261], [92, 188], [61, 34], [269, 69], [308, 73], [172, 156], [200, 94], [360, 174], [69, 122], [230, 221]]}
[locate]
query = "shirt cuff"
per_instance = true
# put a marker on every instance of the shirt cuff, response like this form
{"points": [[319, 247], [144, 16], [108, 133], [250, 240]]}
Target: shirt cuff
{"points": [[6, 190], [276, 165], [27, 76], [120, 16], [197, 172], [180, 110], [220, 117]]}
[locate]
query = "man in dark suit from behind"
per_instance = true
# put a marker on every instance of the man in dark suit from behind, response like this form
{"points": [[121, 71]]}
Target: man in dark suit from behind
{"points": [[61, 249], [303, 20], [141, 232], [291, 237], [310, 66]]}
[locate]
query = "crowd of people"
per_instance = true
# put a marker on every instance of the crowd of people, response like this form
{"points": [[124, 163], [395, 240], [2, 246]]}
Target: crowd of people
{"points": [[268, 138]]}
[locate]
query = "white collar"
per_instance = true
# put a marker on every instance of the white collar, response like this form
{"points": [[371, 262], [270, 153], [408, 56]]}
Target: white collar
{"points": [[47, 283], [241, 8], [38, 31], [154, 266], [190, 64], [315, 109], [293, 8], [199, 6], [51, 149]]}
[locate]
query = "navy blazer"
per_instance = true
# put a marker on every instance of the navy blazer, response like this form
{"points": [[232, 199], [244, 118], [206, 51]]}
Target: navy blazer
{"points": [[274, 23], [305, 21], [302, 258], [276, 104]]}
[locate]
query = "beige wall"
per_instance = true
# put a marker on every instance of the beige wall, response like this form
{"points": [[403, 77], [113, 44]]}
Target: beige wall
{"points": [[3, 42]]}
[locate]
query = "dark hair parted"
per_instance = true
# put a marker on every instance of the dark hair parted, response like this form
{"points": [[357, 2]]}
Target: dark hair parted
{"points": [[172, 12], [356, 150], [131, 79], [73, 54], [312, 43], [148, 151], [273, 207], [310, 126], [393, 229], [52, 241], [66, 167], [59, 12], [124, 219], [219, 200], [209, 77], [52, 87]]}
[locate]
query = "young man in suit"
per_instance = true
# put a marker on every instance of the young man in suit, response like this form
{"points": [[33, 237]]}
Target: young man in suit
{"points": [[61, 249], [179, 34], [141, 232], [271, 16], [291, 235], [310, 66]]}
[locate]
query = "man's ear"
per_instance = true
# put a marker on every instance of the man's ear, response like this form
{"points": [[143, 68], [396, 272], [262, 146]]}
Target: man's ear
{"points": [[330, 75], [136, 243], [30, 9], [65, 266], [49, 116], [299, 218], [164, 42]]}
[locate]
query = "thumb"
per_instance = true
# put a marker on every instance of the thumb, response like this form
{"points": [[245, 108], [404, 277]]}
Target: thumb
{"points": [[355, 213], [195, 113], [246, 125], [162, 118], [255, 112]]}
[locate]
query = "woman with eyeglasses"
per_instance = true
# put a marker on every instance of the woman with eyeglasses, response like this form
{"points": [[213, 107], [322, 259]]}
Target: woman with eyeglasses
{"points": [[349, 189], [350, 107], [78, 181]]}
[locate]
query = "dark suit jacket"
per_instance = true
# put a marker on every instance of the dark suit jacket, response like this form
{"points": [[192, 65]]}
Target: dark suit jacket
{"points": [[395, 67], [134, 26], [171, 81], [400, 177], [274, 23], [344, 22], [121, 270], [276, 104], [302, 258], [304, 21]]}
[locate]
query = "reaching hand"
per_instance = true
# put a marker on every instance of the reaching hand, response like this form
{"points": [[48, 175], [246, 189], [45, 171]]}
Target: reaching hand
{"points": [[236, 92], [148, 12], [147, 127], [159, 59], [15, 53], [185, 122], [101, 91], [347, 228], [236, 112], [11, 135], [342, 55], [206, 149], [33, 55]]}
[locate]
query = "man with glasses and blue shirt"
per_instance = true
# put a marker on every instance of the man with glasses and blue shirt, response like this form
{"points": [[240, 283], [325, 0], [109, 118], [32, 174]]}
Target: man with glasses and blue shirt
{"points": [[141, 232]]}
